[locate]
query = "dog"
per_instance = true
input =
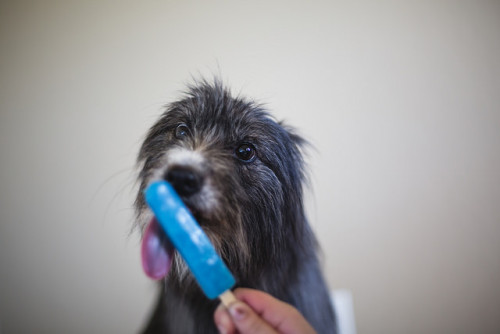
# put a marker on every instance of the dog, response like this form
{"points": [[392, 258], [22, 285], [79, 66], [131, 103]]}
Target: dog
{"points": [[241, 173]]}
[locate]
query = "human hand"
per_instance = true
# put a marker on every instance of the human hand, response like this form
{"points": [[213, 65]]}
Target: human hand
{"points": [[258, 312]]}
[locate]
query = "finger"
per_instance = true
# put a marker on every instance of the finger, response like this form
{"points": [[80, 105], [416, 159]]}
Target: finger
{"points": [[271, 309], [247, 321], [281, 316], [223, 321]]}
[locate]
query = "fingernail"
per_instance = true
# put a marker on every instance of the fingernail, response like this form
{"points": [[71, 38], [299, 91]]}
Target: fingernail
{"points": [[238, 311]]}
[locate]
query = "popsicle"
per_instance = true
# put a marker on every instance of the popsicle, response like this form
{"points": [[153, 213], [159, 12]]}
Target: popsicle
{"points": [[191, 242]]}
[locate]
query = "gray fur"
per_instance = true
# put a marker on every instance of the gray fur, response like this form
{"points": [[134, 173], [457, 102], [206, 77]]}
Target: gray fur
{"points": [[252, 210]]}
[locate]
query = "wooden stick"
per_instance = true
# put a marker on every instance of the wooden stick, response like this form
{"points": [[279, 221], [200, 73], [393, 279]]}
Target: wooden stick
{"points": [[227, 298]]}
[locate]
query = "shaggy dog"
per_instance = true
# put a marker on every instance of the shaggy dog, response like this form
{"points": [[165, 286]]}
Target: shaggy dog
{"points": [[241, 175]]}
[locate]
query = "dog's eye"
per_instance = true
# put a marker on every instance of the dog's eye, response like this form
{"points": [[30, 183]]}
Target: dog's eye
{"points": [[245, 152], [181, 131]]}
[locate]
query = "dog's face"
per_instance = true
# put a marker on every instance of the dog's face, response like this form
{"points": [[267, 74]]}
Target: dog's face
{"points": [[237, 170]]}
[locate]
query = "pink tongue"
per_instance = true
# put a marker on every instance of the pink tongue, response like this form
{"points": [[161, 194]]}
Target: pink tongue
{"points": [[156, 252]]}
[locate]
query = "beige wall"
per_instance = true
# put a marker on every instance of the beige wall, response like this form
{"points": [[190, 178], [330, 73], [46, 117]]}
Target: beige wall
{"points": [[402, 102]]}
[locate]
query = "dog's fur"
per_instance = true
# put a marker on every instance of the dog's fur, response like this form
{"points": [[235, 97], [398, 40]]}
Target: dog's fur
{"points": [[249, 205]]}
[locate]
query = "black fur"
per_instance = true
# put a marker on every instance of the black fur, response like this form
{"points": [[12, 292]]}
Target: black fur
{"points": [[257, 220]]}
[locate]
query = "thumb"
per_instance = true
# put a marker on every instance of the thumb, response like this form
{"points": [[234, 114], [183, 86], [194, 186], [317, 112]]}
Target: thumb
{"points": [[247, 321]]}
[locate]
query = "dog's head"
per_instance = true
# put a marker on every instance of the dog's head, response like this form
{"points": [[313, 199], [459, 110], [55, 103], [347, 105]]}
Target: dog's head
{"points": [[239, 172]]}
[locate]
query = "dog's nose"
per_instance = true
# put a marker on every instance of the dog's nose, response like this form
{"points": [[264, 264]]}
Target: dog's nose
{"points": [[184, 180]]}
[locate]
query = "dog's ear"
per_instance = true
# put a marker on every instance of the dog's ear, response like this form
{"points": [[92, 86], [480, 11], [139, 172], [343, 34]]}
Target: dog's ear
{"points": [[296, 138], [298, 150]]}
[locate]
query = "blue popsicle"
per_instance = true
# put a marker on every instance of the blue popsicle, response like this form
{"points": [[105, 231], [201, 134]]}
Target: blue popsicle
{"points": [[190, 241]]}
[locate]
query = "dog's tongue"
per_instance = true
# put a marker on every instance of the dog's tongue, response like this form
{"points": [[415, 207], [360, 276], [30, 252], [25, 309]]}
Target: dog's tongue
{"points": [[156, 251]]}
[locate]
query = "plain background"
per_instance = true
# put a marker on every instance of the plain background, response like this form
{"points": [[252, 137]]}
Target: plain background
{"points": [[400, 99]]}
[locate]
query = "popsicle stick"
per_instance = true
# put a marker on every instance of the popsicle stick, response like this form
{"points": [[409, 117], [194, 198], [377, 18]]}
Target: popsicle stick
{"points": [[227, 298]]}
